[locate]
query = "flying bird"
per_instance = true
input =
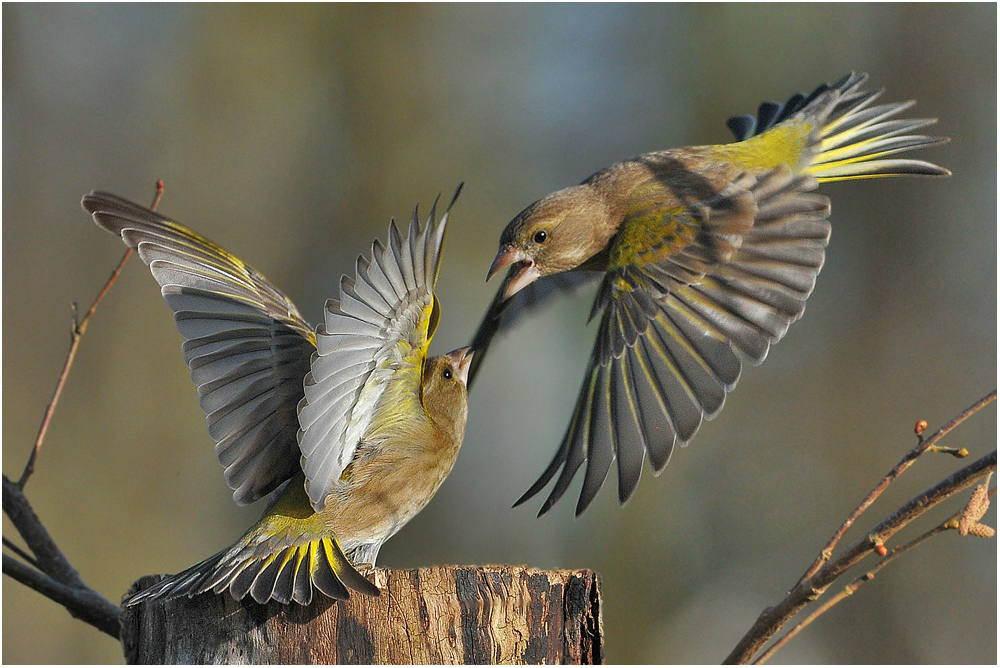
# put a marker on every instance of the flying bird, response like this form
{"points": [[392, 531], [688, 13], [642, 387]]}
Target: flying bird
{"points": [[350, 422], [706, 255]]}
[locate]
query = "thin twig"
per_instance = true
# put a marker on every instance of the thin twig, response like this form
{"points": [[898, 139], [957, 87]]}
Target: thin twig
{"points": [[925, 444], [19, 552], [949, 524], [84, 604], [77, 330], [157, 195], [52, 575], [50, 559], [773, 618]]}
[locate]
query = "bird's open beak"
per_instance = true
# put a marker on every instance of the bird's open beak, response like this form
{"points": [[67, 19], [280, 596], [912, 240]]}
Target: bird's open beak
{"points": [[463, 358], [506, 256], [525, 270]]}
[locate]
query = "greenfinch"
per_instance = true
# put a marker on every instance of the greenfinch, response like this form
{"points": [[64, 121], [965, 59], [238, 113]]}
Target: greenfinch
{"points": [[706, 253], [350, 422]]}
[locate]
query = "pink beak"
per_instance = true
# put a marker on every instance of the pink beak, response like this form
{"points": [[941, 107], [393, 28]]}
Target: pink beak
{"points": [[525, 273], [463, 358], [506, 256]]}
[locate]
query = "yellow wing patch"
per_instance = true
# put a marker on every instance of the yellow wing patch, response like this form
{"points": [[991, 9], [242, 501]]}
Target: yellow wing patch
{"points": [[427, 326], [650, 235]]}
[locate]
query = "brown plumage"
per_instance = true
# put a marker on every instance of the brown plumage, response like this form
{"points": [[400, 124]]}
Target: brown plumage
{"points": [[707, 253], [352, 419]]}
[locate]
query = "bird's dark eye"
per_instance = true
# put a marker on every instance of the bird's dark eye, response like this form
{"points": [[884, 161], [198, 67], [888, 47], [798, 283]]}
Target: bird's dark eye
{"points": [[446, 374], [541, 236]]}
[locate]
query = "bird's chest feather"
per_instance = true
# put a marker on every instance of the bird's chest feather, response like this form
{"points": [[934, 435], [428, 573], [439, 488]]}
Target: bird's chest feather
{"points": [[388, 484]]}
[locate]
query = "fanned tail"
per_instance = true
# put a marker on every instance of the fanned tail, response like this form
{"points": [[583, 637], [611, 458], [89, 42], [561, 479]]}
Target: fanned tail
{"points": [[855, 139], [288, 575], [281, 558]]}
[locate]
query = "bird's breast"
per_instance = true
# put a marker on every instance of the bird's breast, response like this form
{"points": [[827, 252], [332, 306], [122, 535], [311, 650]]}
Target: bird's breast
{"points": [[389, 486]]}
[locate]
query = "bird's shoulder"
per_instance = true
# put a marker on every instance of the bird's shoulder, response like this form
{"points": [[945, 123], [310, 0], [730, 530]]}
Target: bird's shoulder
{"points": [[671, 199]]}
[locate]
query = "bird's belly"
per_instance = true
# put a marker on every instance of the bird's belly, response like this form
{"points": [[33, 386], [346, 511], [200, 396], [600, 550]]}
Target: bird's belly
{"points": [[378, 505]]}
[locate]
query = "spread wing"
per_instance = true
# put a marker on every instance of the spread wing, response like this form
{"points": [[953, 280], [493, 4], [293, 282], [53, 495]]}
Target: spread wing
{"points": [[677, 321], [370, 355], [246, 344]]}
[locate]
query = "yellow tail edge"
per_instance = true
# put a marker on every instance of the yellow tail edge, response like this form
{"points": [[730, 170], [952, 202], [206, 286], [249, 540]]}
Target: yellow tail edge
{"points": [[288, 574], [857, 139]]}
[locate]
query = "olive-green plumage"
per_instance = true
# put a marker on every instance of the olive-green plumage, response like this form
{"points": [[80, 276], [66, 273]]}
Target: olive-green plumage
{"points": [[352, 419], [708, 254]]}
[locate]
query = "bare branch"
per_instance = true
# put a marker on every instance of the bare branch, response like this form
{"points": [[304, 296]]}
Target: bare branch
{"points": [[923, 446], [77, 330], [950, 523], [55, 578], [50, 559], [52, 575], [773, 618], [84, 604], [21, 553]]}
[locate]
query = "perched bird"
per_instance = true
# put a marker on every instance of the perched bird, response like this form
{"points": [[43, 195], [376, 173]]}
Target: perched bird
{"points": [[354, 421], [707, 254]]}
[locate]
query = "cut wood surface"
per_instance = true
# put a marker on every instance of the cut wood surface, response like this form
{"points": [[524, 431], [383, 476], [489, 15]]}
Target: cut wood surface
{"points": [[439, 615]]}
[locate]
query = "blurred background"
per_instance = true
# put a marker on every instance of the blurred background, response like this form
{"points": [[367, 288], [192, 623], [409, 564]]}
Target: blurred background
{"points": [[290, 135]]}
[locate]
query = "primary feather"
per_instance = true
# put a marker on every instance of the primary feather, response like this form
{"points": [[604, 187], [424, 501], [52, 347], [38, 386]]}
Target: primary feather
{"points": [[244, 341], [345, 418], [370, 352], [708, 255]]}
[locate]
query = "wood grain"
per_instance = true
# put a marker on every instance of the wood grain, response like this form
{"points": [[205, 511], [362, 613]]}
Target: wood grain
{"points": [[437, 615]]}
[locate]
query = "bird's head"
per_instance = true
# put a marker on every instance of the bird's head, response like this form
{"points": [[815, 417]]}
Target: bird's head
{"points": [[559, 232], [445, 396]]}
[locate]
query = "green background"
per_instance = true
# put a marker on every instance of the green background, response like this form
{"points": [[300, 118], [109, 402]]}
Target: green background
{"points": [[290, 135]]}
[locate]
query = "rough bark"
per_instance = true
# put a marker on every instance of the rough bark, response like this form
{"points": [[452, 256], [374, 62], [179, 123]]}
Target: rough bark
{"points": [[440, 615]]}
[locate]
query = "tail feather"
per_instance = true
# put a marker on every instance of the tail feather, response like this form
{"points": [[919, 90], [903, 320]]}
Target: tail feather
{"points": [[770, 114], [845, 108], [325, 577], [877, 130], [856, 118], [852, 139], [288, 573], [855, 138]]}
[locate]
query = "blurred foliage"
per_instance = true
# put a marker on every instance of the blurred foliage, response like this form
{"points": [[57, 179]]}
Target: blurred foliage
{"points": [[291, 134]]}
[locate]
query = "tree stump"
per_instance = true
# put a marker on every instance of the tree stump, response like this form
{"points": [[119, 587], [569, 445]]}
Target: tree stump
{"points": [[440, 615]]}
